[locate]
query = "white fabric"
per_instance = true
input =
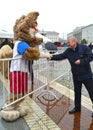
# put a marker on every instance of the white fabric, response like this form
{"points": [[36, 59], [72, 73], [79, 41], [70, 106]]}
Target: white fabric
{"points": [[45, 39], [20, 64]]}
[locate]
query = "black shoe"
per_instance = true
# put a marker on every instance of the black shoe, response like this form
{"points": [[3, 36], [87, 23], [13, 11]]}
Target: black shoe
{"points": [[74, 110]]}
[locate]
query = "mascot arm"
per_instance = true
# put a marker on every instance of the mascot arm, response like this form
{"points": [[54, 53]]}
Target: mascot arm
{"points": [[29, 52], [34, 54]]}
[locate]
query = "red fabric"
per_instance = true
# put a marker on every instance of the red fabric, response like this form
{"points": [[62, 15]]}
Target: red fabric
{"points": [[18, 82]]}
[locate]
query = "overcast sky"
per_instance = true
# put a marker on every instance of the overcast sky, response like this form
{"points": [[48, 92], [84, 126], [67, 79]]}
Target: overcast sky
{"points": [[61, 16]]}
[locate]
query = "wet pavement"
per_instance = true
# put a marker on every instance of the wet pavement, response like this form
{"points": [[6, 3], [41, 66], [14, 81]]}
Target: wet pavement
{"points": [[19, 124], [58, 110]]}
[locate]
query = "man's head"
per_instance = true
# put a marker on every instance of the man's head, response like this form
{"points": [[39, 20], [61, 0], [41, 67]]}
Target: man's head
{"points": [[71, 42]]}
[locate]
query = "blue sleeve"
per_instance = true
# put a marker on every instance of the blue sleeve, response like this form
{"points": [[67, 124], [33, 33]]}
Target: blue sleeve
{"points": [[22, 46]]}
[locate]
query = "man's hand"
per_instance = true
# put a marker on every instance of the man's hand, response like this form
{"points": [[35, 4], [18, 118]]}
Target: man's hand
{"points": [[77, 62], [49, 57]]}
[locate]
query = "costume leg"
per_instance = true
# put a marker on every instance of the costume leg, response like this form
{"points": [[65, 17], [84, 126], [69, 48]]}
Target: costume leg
{"points": [[13, 97], [30, 66]]}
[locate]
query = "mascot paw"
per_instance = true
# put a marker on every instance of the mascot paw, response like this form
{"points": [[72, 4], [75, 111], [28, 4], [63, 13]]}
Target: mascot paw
{"points": [[10, 115], [23, 110], [45, 55]]}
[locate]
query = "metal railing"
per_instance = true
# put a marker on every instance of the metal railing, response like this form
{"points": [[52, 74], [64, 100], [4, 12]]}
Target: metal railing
{"points": [[44, 73]]}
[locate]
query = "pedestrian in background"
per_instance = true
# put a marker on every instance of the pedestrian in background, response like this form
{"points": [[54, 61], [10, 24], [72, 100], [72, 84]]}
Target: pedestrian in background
{"points": [[91, 46], [79, 56]]}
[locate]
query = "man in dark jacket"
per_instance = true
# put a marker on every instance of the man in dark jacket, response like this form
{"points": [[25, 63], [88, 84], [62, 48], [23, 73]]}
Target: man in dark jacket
{"points": [[79, 56]]}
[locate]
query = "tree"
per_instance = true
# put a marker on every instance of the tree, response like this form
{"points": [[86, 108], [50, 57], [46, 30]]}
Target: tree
{"points": [[84, 41]]}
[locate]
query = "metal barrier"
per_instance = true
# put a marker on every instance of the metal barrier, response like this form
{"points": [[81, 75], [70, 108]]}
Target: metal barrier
{"points": [[41, 74]]}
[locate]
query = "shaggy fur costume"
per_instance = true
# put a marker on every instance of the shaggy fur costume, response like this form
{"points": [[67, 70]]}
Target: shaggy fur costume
{"points": [[25, 42], [5, 52]]}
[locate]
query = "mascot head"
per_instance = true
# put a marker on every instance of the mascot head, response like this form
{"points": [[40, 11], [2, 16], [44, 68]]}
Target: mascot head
{"points": [[25, 29]]}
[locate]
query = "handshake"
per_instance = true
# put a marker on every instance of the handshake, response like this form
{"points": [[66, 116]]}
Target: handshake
{"points": [[45, 55]]}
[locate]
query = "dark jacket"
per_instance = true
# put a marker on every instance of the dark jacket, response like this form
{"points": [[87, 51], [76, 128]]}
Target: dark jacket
{"points": [[82, 52]]}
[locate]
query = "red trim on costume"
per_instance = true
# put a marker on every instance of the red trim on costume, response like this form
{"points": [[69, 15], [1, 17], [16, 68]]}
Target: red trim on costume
{"points": [[18, 82]]}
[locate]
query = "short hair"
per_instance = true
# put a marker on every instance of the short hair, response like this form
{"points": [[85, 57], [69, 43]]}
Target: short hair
{"points": [[73, 38]]}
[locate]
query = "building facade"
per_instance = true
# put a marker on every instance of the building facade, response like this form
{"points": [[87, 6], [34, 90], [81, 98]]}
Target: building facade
{"points": [[52, 35], [87, 33], [84, 32]]}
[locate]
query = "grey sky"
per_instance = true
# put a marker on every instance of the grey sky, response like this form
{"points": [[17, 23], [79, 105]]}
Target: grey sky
{"points": [[55, 15]]}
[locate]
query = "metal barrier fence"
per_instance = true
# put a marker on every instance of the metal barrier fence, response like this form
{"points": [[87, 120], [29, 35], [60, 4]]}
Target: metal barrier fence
{"points": [[41, 74]]}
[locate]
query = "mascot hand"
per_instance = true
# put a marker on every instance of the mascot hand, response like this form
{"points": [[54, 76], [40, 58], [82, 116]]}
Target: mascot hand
{"points": [[45, 55]]}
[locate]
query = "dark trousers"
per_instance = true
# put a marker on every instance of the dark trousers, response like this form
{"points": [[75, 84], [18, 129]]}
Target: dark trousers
{"points": [[77, 91]]}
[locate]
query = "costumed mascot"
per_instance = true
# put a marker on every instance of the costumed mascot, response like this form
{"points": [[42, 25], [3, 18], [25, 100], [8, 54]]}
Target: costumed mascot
{"points": [[24, 49]]}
